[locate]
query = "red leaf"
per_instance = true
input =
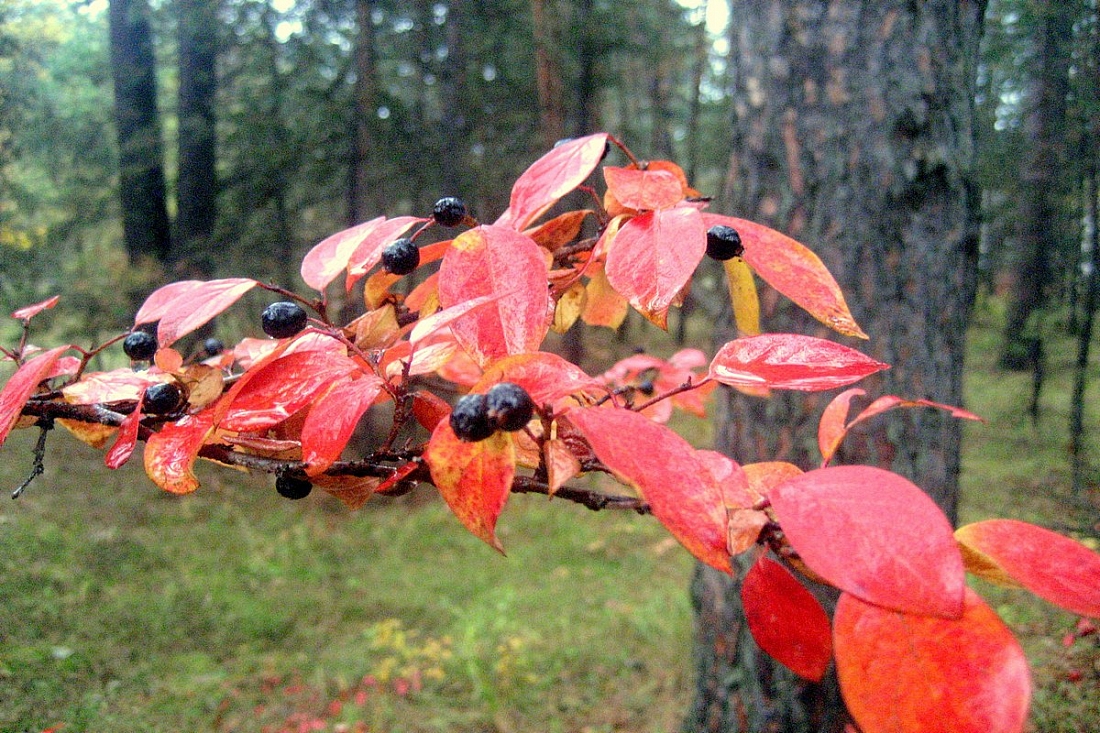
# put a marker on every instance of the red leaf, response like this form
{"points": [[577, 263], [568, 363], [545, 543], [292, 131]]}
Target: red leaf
{"points": [[653, 256], [901, 673], [428, 409], [794, 270], [876, 535], [546, 377], [832, 429], [668, 474], [834, 423], [28, 312], [498, 262], [790, 361], [197, 305], [369, 252], [1053, 567], [642, 190], [170, 453], [473, 478], [127, 438], [159, 301], [328, 258], [786, 620], [21, 386], [550, 177], [333, 418], [282, 387]]}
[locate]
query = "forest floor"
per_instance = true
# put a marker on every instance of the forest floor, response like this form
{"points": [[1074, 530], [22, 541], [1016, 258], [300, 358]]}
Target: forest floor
{"points": [[126, 609]]}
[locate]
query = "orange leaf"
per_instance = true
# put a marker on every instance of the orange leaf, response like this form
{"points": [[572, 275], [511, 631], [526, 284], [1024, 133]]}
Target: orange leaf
{"points": [[561, 464], [353, 491], [473, 478], [767, 475], [794, 270], [643, 190], [876, 535], [113, 386], [560, 230], [22, 385], [1053, 567], [901, 673], [668, 474], [790, 361], [786, 620], [833, 425], [509, 267], [428, 409], [603, 306], [653, 256], [170, 453]]}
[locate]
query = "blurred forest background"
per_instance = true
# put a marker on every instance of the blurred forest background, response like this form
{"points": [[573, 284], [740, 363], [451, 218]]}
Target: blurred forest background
{"points": [[143, 141]]}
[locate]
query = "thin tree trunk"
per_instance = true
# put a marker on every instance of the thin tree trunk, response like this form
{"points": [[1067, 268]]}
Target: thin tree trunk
{"points": [[146, 228], [548, 76], [360, 200], [196, 188], [1040, 232], [853, 134], [1084, 340]]}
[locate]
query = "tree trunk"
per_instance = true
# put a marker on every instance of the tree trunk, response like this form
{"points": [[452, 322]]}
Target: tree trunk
{"points": [[145, 222], [360, 203], [196, 188], [1040, 232], [853, 134], [548, 73]]}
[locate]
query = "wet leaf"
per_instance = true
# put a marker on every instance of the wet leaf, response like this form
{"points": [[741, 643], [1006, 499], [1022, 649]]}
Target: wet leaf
{"points": [[552, 176], [904, 673], [790, 361], [786, 620], [1052, 566], [473, 478], [197, 305], [127, 439], [330, 257], [652, 258], [875, 535], [170, 453], [332, 420], [546, 377], [22, 385]]}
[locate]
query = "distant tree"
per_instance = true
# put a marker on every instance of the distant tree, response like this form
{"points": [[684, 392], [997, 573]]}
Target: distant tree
{"points": [[141, 158], [852, 126], [196, 181]]}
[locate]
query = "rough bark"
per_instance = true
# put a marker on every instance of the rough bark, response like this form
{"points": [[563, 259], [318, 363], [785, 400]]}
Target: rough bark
{"points": [[1039, 234], [145, 223], [197, 185], [853, 134]]}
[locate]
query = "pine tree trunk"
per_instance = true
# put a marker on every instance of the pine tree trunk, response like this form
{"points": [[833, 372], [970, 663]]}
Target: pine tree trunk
{"points": [[145, 223], [852, 134], [196, 189], [360, 198]]}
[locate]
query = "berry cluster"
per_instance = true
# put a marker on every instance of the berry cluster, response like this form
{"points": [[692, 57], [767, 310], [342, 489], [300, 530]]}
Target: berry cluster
{"points": [[506, 406]]}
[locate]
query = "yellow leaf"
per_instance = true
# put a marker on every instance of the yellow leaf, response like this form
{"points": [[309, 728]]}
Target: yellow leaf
{"points": [[746, 303]]}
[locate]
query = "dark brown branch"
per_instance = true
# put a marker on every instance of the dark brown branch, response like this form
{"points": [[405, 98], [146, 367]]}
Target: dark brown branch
{"points": [[379, 465]]}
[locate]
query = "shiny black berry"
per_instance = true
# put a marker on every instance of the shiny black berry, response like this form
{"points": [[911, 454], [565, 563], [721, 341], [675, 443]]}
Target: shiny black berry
{"points": [[646, 387], [449, 211], [723, 243], [162, 398], [213, 346], [470, 419], [283, 319], [140, 346], [401, 257], [292, 487], [509, 405]]}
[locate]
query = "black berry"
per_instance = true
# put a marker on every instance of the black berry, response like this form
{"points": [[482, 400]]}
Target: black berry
{"points": [[140, 346], [401, 257], [470, 419], [646, 387], [213, 346], [509, 405], [292, 487], [161, 398], [283, 319], [449, 211], [723, 243]]}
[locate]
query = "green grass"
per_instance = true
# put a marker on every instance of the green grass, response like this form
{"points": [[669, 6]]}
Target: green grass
{"points": [[126, 609]]}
